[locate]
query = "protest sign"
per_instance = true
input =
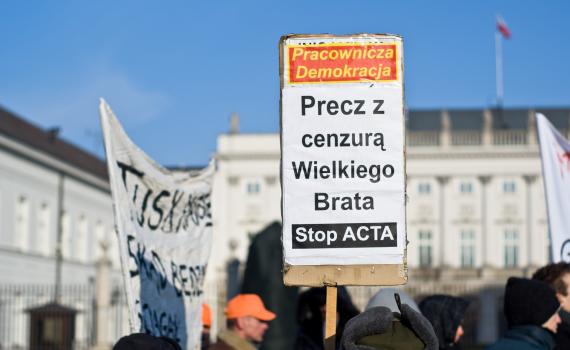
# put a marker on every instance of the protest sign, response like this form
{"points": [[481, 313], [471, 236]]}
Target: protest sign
{"points": [[555, 155], [343, 164], [164, 225]]}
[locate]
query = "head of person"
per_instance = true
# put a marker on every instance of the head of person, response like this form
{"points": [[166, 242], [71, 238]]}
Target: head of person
{"points": [[445, 313], [380, 327], [385, 297], [531, 302], [558, 277], [247, 317], [142, 341]]}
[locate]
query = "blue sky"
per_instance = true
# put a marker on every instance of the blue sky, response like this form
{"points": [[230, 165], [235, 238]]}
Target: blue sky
{"points": [[174, 71]]}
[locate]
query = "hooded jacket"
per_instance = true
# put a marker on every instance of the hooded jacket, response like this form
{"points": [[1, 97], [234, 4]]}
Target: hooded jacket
{"points": [[380, 328], [445, 313]]}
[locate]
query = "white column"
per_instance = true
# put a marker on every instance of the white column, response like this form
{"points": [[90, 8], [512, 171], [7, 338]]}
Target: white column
{"points": [[531, 138], [487, 137], [484, 180], [445, 129], [529, 180], [442, 180], [103, 299]]}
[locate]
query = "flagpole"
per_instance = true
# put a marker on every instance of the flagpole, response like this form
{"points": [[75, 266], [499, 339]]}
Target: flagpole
{"points": [[499, 69]]}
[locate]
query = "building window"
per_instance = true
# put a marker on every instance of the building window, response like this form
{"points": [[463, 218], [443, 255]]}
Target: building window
{"points": [[466, 187], [22, 223], [43, 238], [509, 187], [253, 187], [100, 239], [80, 251], [511, 248], [425, 249], [467, 248], [424, 188]]}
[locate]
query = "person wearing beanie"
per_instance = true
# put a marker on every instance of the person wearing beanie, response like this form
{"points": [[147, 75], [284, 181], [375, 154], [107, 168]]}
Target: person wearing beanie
{"points": [[531, 309], [143, 341], [557, 275], [379, 327], [247, 320], [445, 313], [385, 297]]}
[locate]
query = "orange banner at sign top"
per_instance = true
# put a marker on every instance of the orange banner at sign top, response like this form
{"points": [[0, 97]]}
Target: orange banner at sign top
{"points": [[340, 63]]}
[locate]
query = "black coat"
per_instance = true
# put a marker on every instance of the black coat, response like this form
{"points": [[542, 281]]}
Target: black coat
{"points": [[445, 313], [562, 337], [311, 321], [263, 276], [525, 338]]}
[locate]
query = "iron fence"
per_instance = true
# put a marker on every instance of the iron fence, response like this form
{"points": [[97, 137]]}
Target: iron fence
{"points": [[29, 318]]}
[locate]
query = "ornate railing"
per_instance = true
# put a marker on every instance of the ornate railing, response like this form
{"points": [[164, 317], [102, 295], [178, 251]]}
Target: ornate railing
{"points": [[509, 137], [423, 138], [466, 138]]}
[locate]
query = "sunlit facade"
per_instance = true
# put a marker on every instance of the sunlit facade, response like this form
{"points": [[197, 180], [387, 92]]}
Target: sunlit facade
{"points": [[475, 212]]}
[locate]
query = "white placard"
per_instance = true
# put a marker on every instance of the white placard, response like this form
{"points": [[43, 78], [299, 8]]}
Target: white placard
{"points": [[342, 138], [164, 225]]}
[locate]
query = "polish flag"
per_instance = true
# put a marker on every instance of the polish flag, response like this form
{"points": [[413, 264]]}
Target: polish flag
{"points": [[502, 27]]}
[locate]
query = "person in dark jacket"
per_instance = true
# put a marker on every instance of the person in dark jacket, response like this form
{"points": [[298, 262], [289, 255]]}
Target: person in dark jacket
{"points": [[558, 276], [263, 276], [379, 327], [311, 317], [445, 313], [531, 309]]}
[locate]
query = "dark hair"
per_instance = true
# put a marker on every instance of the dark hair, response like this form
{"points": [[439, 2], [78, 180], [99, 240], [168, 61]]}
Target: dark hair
{"points": [[553, 274], [142, 341]]}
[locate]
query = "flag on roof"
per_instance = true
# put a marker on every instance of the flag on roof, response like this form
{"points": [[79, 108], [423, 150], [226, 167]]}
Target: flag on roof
{"points": [[502, 27]]}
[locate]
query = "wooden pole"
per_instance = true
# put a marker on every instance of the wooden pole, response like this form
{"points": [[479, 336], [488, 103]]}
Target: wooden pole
{"points": [[330, 323]]}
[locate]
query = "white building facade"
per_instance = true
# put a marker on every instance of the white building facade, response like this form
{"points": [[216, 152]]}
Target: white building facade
{"points": [[34, 164], [42, 178]]}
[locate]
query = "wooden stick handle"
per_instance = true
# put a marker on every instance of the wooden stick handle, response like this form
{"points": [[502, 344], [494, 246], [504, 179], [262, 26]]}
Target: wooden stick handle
{"points": [[330, 323]]}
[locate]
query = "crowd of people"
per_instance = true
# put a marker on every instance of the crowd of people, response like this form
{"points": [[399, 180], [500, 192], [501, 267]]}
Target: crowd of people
{"points": [[536, 311]]}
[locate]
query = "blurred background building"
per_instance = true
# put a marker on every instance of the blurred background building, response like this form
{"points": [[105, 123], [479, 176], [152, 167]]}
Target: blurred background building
{"points": [[42, 178], [475, 215]]}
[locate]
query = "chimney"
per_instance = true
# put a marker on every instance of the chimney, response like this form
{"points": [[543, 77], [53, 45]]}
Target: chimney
{"points": [[234, 123]]}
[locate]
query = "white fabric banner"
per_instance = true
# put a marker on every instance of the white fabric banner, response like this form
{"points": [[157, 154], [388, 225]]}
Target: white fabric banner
{"points": [[555, 154], [164, 225]]}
